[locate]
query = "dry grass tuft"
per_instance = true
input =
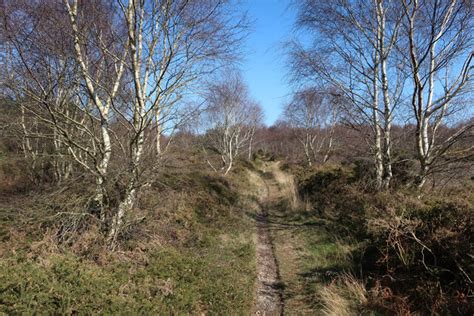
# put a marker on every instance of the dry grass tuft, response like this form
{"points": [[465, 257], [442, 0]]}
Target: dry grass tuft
{"points": [[343, 296]]}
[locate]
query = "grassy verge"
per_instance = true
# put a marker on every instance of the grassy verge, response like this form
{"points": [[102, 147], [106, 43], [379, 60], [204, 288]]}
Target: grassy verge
{"points": [[310, 257]]}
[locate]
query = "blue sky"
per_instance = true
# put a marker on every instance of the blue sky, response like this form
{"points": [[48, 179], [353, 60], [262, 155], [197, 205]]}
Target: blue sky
{"points": [[264, 66]]}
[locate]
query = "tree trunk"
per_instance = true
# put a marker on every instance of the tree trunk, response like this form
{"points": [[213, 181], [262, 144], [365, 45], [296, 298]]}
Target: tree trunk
{"points": [[136, 150], [124, 207], [387, 157], [229, 166], [387, 144], [328, 151], [378, 157], [308, 156], [306, 145], [250, 148], [379, 170], [100, 199]]}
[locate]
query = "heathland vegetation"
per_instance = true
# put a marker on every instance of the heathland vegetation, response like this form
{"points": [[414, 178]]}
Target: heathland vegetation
{"points": [[137, 176]]}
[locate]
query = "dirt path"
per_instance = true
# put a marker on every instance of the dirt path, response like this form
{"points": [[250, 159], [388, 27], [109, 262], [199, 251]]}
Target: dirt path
{"points": [[294, 251], [269, 290], [269, 293], [279, 289]]}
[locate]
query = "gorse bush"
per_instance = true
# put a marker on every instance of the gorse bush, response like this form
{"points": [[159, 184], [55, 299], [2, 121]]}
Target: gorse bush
{"points": [[335, 194]]}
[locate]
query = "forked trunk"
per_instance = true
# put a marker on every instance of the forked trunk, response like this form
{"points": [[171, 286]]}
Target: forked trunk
{"points": [[229, 166], [127, 204], [421, 177], [328, 151]]}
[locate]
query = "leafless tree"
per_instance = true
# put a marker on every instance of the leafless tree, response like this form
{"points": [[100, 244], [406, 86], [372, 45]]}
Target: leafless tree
{"points": [[172, 44], [438, 42], [353, 50], [313, 115], [42, 78], [108, 77], [231, 119], [255, 121]]}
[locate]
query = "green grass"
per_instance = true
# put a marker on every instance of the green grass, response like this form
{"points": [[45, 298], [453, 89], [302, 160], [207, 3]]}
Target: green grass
{"points": [[325, 258]]}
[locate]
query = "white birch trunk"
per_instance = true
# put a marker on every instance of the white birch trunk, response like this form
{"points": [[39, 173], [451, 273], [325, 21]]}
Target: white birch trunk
{"points": [[378, 157], [387, 145]]}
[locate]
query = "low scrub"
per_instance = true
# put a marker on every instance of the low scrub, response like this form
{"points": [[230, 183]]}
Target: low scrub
{"points": [[415, 255], [186, 248], [172, 282]]}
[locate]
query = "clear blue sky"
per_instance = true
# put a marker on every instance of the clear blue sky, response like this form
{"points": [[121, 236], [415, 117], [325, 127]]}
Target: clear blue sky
{"points": [[264, 66]]}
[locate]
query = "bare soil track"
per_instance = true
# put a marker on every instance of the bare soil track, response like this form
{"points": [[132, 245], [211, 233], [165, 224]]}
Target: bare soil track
{"points": [[269, 289], [269, 298]]}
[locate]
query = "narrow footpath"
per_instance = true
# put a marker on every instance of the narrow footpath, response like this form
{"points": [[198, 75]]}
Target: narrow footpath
{"points": [[269, 290], [280, 285], [269, 298]]}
